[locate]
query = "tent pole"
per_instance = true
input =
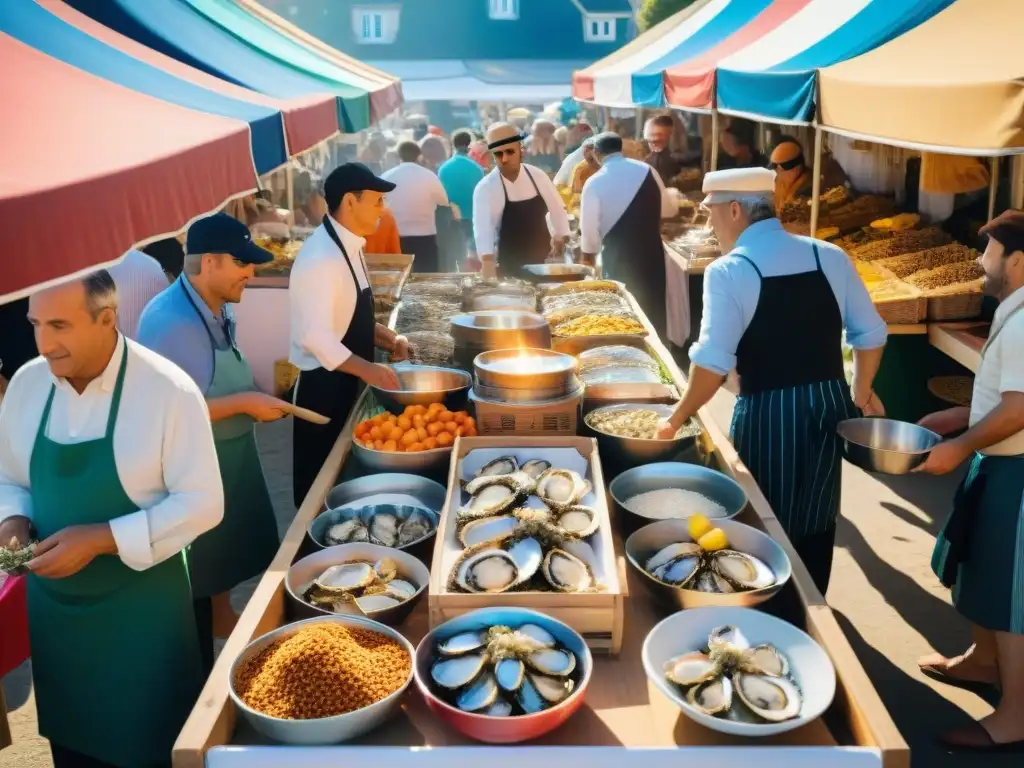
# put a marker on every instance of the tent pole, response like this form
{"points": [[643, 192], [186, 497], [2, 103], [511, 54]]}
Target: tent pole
{"points": [[993, 188], [640, 124], [289, 186], [816, 183], [1017, 182], [714, 139], [603, 112]]}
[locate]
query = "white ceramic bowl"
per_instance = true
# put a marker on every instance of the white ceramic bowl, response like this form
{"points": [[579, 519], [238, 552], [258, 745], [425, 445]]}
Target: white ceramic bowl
{"points": [[688, 630]]}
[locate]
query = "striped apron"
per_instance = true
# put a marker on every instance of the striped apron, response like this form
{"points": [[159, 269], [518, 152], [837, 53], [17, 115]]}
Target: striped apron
{"points": [[792, 397]]}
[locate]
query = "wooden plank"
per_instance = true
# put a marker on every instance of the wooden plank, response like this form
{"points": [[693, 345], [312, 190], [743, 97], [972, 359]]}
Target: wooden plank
{"points": [[952, 340], [909, 329], [212, 721]]}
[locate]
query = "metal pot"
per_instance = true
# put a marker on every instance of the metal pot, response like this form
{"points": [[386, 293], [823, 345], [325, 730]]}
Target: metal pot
{"points": [[533, 369], [476, 332], [557, 273]]}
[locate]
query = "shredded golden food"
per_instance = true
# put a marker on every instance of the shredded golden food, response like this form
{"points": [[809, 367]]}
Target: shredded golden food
{"points": [[599, 325], [323, 670], [640, 423]]}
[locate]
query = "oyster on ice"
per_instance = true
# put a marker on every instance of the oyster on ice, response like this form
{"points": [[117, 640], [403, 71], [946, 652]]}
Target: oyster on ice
{"points": [[492, 495], [578, 521], [687, 565], [740, 570], [536, 467], [383, 528], [566, 572], [490, 570], [345, 532], [503, 465], [415, 527]]}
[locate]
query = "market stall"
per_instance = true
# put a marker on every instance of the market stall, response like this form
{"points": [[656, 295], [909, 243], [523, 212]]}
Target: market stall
{"points": [[623, 708]]}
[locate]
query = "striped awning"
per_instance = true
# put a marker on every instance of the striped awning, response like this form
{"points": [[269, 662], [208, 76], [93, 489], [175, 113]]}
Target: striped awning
{"points": [[749, 57]]}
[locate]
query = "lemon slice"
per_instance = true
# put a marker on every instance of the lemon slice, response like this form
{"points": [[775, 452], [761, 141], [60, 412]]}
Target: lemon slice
{"points": [[698, 526], [713, 540]]}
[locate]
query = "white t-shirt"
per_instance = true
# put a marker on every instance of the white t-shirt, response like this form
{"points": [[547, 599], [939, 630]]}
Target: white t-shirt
{"points": [[489, 204], [1002, 370], [415, 198]]}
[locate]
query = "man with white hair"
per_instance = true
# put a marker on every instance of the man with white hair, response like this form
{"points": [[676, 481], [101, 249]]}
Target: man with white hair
{"points": [[775, 308]]}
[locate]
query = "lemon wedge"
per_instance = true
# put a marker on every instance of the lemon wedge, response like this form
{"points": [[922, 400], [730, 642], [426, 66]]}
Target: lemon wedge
{"points": [[713, 540], [698, 526]]}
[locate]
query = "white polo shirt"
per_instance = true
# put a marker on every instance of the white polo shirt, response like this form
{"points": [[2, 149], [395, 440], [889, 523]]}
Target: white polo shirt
{"points": [[1002, 370], [415, 198]]}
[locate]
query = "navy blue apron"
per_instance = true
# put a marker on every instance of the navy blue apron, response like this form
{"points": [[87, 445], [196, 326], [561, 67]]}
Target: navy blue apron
{"points": [[523, 236]]}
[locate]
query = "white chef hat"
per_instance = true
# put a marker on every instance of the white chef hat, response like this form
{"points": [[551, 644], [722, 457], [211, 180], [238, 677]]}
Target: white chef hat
{"points": [[738, 184]]}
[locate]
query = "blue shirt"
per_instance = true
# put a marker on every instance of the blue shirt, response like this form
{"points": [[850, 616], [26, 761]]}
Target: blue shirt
{"points": [[459, 175], [171, 327], [732, 288]]}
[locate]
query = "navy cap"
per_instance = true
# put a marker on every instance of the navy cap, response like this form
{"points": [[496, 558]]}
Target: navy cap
{"points": [[221, 233], [352, 177]]}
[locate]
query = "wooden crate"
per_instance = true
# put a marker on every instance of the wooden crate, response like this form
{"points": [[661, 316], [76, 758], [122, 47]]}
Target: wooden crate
{"points": [[598, 617]]}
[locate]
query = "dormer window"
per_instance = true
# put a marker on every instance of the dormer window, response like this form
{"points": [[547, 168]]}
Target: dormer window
{"points": [[598, 28], [504, 10], [375, 25]]}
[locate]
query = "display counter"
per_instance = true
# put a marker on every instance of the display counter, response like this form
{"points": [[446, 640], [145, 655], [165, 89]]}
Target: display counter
{"points": [[621, 710], [961, 341]]}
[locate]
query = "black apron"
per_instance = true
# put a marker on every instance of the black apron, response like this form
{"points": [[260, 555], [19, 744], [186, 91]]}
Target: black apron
{"points": [[523, 236], [793, 394], [632, 252], [331, 393]]}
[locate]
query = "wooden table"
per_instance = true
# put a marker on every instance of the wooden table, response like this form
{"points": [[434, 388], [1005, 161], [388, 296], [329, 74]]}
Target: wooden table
{"points": [[621, 709], [961, 341]]}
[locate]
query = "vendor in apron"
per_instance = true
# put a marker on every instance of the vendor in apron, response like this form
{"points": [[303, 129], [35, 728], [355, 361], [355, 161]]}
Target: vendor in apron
{"points": [[620, 217], [775, 309], [980, 551], [510, 209], [191, 324], [107, 458], [334, 331]]}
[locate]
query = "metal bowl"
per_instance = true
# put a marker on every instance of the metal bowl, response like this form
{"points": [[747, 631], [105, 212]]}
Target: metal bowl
{"points": [[651, 538], [419, 462], [418, 489], [885, 445], [304, 571], [327, 730], [525, 369], [624, 453], [670, 474], [686, 631], [423, 385], [533, 395], [502, 730], [501, 329], [317, 529], [557, 273]]}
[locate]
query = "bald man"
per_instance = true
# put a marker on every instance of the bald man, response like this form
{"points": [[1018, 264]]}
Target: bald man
{"points": [[510, 207]]}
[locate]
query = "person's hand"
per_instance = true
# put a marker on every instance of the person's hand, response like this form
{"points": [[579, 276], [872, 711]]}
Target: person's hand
{"points": [[382, 377], [68, 551], [401, 350], [18, 527], [665, 430], [874, 406], [944, 458], [942, 422], [557, 252], [263, 407]]}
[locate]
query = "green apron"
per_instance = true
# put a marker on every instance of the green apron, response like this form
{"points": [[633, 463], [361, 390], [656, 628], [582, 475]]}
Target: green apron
{"points": [[246, 540], [115, 657]]}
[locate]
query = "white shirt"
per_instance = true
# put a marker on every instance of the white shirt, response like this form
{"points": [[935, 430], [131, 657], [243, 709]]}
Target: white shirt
{"points": [[163, 448], [1002, 370], [138, 277], [414, 199], [489, 204], [322, 297], [564, 176], [608, 193]]}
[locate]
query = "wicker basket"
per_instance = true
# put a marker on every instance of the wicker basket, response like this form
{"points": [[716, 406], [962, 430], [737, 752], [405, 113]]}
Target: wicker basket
{"points": [[285, 375], [555, 419], [955, 390], [962, 306], [908, 307]]}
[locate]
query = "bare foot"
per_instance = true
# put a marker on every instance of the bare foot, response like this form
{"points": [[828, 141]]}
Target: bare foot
{"points": [[964, 668]]}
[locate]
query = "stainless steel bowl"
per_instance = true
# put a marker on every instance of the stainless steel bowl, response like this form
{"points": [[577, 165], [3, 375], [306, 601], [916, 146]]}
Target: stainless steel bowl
{"points": [[383, 461], [317, 529], [513, 302], [327, 730], [671, 474], [531, 369], [526, 396], [885, 445], [304, 571], [429, 493], [622, 453], [557, 273], [502, 329], [423, 385], [651, 538]]}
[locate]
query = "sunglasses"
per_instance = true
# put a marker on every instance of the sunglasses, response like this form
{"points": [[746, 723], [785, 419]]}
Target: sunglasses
{"points": [[789, 165]]}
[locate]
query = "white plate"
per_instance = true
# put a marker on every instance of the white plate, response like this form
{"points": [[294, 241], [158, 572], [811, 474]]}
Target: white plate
{"points": [[810, 667]]}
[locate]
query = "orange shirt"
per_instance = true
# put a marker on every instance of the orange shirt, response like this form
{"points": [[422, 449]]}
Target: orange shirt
{"points": [[385, 239]]}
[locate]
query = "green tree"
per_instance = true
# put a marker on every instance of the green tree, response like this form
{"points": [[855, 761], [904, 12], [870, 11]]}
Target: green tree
{"points": [[656, 11]]}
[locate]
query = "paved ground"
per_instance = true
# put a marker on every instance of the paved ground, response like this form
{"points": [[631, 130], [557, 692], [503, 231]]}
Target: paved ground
{"points": [[887, 601]]}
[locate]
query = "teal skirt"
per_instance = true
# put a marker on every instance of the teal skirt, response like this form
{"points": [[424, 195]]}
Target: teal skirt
{"points": [[980, 550]]}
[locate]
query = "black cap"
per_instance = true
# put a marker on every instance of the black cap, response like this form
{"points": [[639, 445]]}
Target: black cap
{"points": [[608, 143], [352, 177], [221, 233]]}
